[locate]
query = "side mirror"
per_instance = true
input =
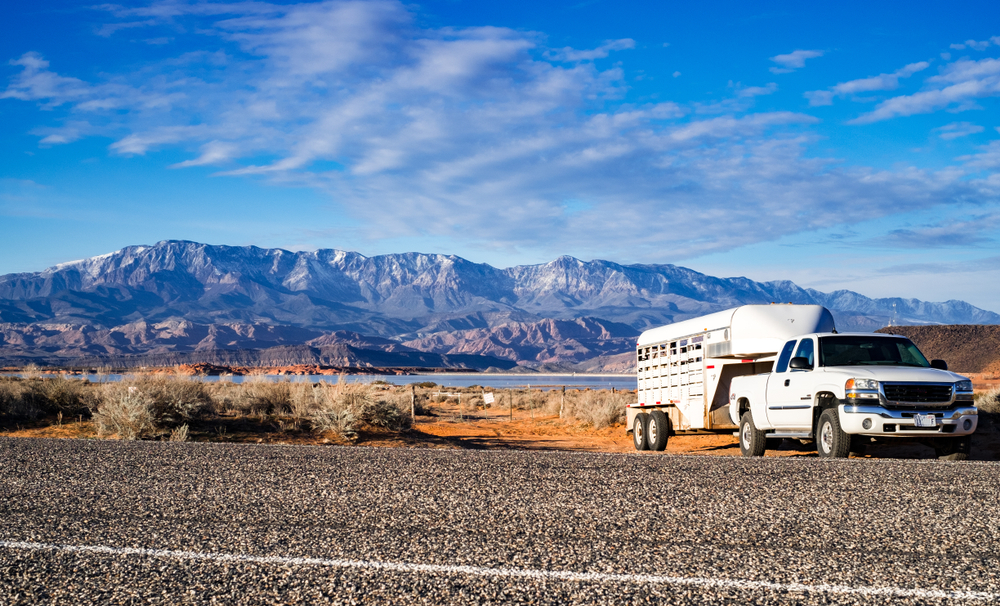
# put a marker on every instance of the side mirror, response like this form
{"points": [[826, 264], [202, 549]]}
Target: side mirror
{"points": [[939, 364], [800, 363]]}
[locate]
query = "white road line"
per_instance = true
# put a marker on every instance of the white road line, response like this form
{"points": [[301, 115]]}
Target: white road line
{"points": [[544, 575]]}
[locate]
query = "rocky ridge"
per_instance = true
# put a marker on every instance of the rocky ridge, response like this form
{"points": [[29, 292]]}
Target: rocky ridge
{"points": [[184, 297]]}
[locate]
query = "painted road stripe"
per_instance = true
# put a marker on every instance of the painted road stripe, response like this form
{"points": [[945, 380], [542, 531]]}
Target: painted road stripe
{"points": [[516, 573]]}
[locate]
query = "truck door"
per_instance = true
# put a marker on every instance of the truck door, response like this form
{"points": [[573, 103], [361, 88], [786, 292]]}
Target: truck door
{"points": [[789, 395]]}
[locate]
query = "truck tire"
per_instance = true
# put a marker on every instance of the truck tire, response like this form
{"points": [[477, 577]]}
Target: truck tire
{"points": [[639, 437], [831, 441], [953, 449], [657, 430], [753, 441]]}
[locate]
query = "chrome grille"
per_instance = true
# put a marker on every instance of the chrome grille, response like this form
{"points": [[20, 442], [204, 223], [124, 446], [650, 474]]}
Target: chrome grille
{"points": [[922, 393]]}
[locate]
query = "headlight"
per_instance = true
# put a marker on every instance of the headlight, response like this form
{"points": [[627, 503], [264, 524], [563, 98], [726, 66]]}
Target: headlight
{"points": [[963, 386], [861, 384]]}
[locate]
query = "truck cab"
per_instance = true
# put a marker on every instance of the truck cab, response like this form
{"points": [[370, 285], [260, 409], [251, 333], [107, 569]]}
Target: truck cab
{"points": [[843, 390]]}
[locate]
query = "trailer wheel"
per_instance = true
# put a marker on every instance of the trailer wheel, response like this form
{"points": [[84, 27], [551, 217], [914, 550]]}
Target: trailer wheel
{"points": [[753, 441], [831, 441], [639, 437], [953, 449], [657, 430]]}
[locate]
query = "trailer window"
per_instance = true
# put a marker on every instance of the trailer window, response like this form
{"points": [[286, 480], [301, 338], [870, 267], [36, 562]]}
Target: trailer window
{"points": [[786, 355]]}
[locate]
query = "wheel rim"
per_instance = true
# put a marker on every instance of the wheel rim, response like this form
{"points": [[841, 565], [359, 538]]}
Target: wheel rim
{"points": [[745, 435], [637, 431], [652, 430], [826, 437]]}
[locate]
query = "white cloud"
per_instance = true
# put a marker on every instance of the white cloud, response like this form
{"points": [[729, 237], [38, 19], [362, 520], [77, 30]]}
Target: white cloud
{"points": [[71, 131], [987, 158], [602, 51], [481, 134], [756, 91], [36, 82], [957, 87], [973, 44], [793, 60], [864, 85], [958, 129]]}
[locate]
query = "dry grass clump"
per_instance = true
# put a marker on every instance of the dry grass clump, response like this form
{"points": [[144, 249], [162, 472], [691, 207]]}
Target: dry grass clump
{"points": [[988, 404], [35, 398], [125, 411], [598, 409], [142, 407], [344, 408]]}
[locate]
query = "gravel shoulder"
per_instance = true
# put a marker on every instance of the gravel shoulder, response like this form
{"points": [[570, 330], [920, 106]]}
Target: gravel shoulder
{"points": [[769, 530]]}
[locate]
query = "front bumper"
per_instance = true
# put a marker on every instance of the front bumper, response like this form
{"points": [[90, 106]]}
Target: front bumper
{"points": [[959, 420]]}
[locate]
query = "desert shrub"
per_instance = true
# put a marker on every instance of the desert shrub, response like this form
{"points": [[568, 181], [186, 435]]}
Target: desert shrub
{"points": [[346, 407], [425, 385], [175, 400], [126, 411], [988, 404], [34, 398], [261, 396], [388, 412], [179, 434], [597, 408], [339, 408], [68, 396], [13, 402]]}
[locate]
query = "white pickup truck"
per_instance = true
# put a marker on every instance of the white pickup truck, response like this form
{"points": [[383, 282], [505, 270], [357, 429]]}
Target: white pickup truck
{"points": [[847, 390]]}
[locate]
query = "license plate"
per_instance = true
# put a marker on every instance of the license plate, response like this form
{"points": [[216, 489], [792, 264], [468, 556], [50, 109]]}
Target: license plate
{"points": [[924, 421]]}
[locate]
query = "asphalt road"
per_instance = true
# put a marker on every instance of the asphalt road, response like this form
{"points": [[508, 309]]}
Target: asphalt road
{"points": [[130, 523]]}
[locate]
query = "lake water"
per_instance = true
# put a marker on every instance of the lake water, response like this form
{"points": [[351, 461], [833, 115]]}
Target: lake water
{"points": [[493, 381]]}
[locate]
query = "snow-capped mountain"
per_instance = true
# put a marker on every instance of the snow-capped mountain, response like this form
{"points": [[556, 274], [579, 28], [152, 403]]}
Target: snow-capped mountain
{"points": [[243, 297]]}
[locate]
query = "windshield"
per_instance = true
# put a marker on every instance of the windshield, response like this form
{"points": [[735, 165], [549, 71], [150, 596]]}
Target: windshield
{"points": [[867, 351]]}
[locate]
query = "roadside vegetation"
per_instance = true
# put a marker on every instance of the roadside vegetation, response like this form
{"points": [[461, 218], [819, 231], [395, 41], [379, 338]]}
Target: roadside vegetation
{"points": [[179, 408], [988, 404]]}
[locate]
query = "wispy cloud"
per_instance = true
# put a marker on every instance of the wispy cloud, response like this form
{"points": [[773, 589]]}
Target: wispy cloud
{"points": [[864, 85], [958, 129], [970, 232], [481, 134], [793, 60], [956, 88], [980, 45], [602, 51]]}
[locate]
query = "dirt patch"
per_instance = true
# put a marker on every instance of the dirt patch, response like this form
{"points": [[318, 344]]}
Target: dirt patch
{"points": [[451, 427]]}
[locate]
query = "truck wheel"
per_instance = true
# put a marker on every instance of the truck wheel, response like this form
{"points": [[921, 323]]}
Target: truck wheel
{"points": [[831, 441], [657, 428], [953, 449], [753, 441], [639, 437]]}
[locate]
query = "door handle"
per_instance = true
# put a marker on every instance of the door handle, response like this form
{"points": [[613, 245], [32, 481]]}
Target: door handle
{"points": [[787, 381]]}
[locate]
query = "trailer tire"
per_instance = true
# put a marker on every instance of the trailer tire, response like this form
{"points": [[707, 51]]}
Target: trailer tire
{"points": [[753, 441], [639, 437], [831, 441], [953, 449], [657, 430]]}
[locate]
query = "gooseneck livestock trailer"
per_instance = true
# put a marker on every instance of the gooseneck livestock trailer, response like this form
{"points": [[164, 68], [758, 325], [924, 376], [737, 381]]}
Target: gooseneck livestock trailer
{"points": [[684, 369]]}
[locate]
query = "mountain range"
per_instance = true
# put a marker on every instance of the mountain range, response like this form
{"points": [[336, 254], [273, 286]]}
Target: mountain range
{"points": [[183, 299]]}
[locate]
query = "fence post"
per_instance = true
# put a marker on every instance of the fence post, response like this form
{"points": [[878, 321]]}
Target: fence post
{"points": [[562, 401], [531, 402], [413, 403], [510, 401]]}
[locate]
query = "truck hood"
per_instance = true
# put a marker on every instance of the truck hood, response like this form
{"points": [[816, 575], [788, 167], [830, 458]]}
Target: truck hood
{"points": [[897, 373]]}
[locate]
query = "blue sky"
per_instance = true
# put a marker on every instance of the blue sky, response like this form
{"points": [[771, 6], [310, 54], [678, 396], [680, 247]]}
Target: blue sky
{"points": [[851, 145]]}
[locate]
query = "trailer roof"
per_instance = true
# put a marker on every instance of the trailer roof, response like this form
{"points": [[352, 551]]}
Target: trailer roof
{"points": [[752, 329]]}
